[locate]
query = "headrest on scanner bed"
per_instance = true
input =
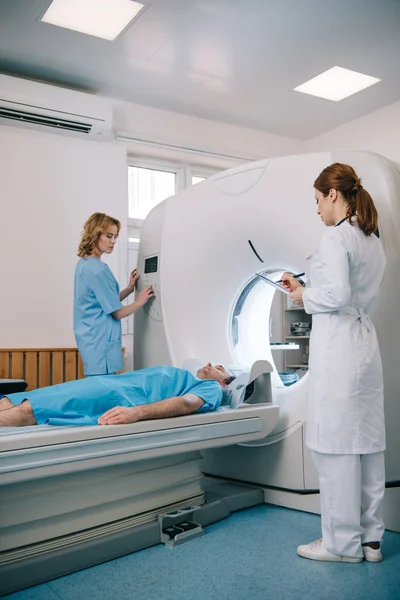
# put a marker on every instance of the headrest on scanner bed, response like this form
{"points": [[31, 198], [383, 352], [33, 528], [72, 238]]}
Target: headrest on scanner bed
{"points": [[10, 386], [250, 387]]}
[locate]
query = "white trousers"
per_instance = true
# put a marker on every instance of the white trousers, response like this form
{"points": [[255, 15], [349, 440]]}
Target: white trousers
{"points": [[351, 490]]}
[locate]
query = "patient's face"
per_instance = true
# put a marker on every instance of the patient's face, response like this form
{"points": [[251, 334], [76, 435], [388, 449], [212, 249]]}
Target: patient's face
{"points": [[210, 372]]}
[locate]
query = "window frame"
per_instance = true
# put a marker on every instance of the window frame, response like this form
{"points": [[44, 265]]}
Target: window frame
{"points": [[183, 180], [151, 165], [195, 172]]}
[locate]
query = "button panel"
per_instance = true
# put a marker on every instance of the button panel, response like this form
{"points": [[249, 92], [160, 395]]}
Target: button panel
{"points": [[153, 306]]}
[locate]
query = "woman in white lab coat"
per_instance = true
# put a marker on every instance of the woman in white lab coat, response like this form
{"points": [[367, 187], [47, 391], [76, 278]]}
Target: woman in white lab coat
{"points": [[345, 423]]}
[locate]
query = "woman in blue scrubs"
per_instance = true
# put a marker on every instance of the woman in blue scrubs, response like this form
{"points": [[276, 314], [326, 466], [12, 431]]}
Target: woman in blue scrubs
{"points": [[98, 300]]}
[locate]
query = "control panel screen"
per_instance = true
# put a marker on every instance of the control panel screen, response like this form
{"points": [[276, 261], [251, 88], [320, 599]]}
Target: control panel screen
{"points": [[151, 264]]}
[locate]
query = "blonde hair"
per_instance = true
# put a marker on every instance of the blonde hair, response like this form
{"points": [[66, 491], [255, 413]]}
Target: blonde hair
{"points": [[96, 224]]}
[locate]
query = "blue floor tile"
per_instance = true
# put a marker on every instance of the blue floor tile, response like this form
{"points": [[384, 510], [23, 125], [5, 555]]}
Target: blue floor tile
{"points": [[39, 592], [249, 556]]}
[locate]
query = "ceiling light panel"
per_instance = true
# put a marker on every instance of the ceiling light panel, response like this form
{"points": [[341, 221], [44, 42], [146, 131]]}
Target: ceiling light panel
{"points": [[101, 18], [336, 84]]}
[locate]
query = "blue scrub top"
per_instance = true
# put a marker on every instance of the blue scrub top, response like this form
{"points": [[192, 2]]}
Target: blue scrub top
{"points": [[82, 402], [98, 335]]}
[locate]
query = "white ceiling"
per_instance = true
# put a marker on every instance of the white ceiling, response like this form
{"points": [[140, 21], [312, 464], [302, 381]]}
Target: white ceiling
{"points": [[235, 61]]}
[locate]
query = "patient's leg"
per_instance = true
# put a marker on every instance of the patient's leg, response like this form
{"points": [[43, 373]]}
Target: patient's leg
{"points": [[18, 416], [5, 404]]}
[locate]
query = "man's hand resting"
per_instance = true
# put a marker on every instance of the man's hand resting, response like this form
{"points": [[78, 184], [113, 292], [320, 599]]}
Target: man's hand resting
{"points": [[177, 406], [120, 415]]}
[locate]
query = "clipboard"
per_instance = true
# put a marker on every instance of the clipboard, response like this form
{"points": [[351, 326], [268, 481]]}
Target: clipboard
{"points": [[273, 283]]}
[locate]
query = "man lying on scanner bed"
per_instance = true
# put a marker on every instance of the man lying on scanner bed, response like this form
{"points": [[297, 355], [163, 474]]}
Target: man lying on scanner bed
{"points": [[154, 393]]}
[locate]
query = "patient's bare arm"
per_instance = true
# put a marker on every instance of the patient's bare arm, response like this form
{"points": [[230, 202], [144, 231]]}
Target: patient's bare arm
{"points": [[172, 407], [17, 416]]}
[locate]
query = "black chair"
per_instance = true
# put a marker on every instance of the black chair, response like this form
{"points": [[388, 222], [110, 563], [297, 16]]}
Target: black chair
{"points": [[10, 386]]}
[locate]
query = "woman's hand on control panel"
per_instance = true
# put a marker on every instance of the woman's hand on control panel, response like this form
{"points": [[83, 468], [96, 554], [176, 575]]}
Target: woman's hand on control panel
{"points": [[145, 295]]}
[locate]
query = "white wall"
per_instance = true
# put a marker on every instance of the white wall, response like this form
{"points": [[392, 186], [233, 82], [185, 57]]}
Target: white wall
{"points": [[185, 131], [378, 132], [49, 185]]}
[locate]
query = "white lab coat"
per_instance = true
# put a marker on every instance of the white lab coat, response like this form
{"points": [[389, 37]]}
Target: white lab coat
{"points": [[345, 414]]}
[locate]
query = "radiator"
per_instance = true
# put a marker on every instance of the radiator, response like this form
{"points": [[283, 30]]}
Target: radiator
{"points": [[41, 367]]}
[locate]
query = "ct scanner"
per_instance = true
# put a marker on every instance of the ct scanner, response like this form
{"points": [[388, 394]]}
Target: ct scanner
{"points": [[72, 497], [201, 251]]}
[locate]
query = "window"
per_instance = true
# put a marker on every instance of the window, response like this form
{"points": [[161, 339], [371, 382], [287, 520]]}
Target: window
{"points": [[149, 183], [147, 188]]}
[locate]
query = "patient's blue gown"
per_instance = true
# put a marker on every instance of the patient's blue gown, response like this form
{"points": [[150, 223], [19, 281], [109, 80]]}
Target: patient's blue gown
{"points": [[83, 401]]}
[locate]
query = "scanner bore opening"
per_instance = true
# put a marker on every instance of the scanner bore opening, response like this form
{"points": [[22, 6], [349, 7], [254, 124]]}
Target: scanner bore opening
{"points": [[265, 325]]}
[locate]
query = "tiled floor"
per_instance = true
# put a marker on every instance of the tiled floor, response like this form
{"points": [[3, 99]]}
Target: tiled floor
{"points": [[249, 556]]}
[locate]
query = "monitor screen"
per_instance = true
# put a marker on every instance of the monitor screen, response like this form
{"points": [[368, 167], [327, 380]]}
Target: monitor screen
{"points": [[151, 264]]}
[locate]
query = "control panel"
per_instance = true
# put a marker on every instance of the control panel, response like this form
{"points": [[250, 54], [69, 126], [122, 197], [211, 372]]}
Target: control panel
{"points": [[151, 276]]}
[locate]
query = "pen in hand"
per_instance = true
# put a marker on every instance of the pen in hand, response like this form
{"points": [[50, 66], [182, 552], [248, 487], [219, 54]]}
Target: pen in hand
{"points": [[295, 276]]}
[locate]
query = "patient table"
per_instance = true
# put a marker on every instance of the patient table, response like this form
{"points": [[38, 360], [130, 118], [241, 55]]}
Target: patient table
{"points": [[72, 497]]}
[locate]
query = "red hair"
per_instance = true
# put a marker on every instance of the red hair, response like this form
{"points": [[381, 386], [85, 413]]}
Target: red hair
{"points": [[345, 180]]}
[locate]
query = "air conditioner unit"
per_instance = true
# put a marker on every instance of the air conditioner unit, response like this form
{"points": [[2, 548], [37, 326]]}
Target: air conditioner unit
{"points": [[50, 108]]}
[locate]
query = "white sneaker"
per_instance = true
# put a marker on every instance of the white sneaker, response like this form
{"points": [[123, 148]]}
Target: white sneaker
{"points": [[372, 555], [316, 551]]}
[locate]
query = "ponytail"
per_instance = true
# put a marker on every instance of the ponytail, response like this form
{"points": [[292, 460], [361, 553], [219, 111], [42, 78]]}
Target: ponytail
{"points": [[362, 205]]}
